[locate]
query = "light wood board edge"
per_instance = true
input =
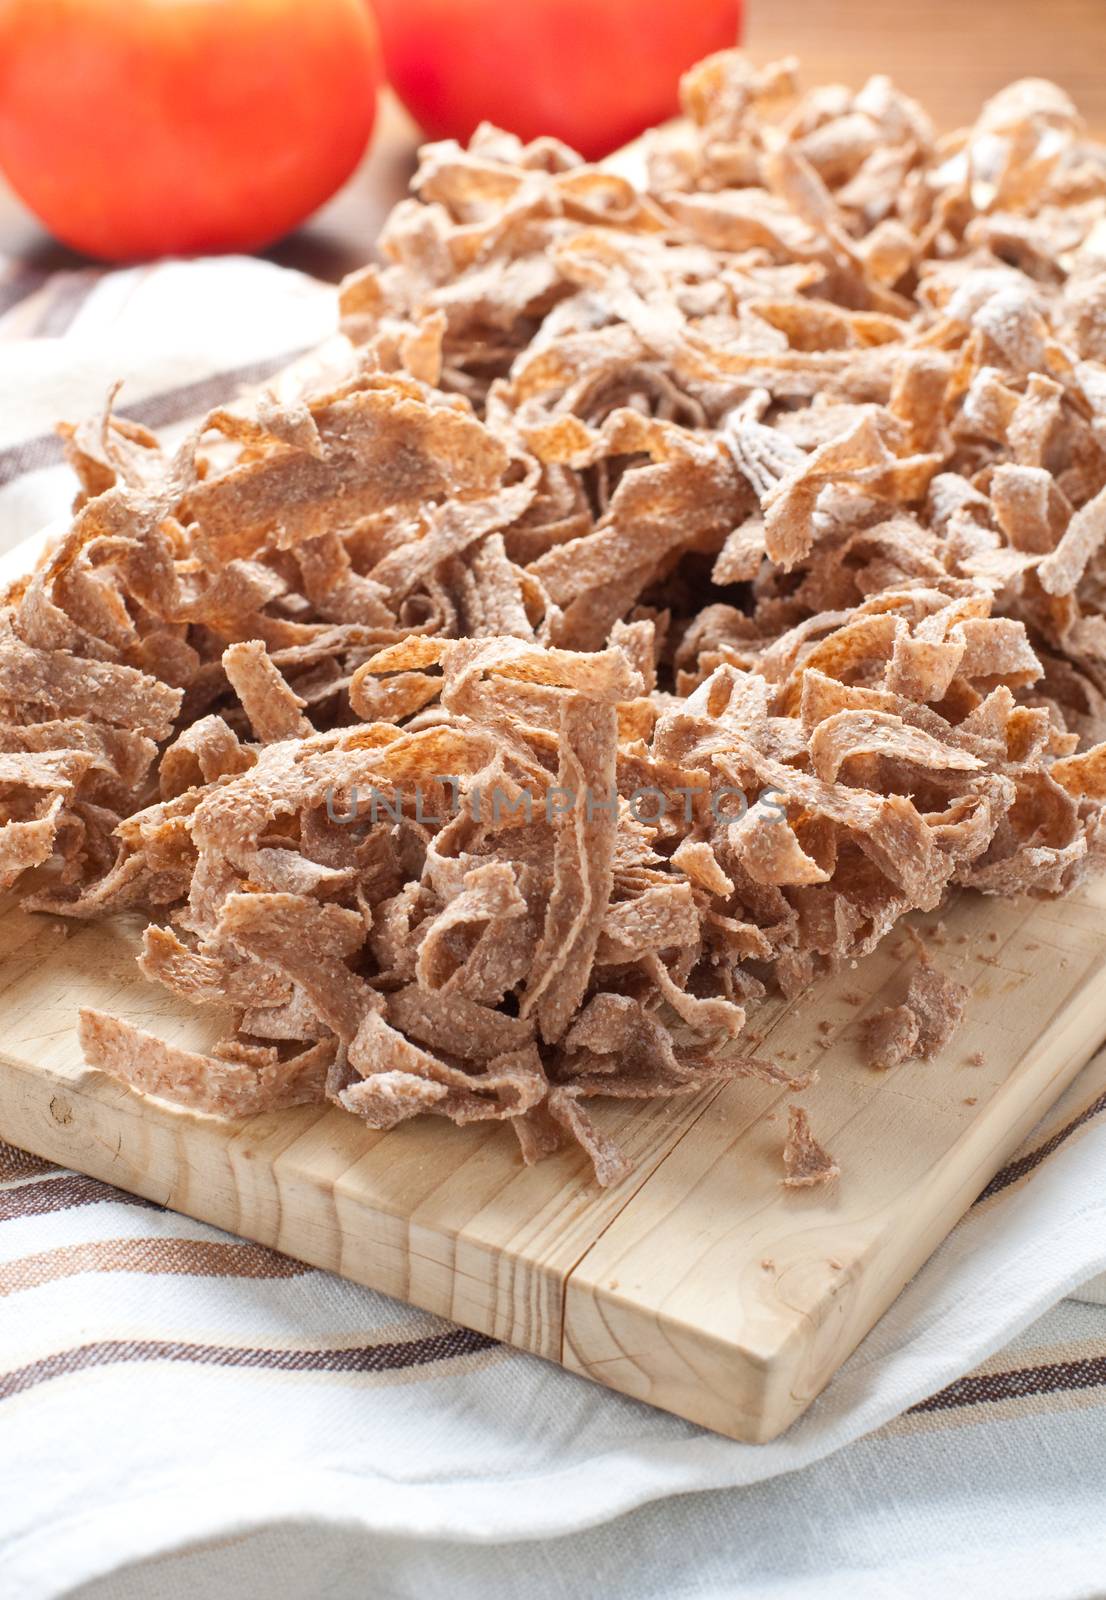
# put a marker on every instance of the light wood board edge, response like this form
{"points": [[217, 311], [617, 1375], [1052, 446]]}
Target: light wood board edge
{"points": [[797, 1318], [445, 1218], [290, 1182], [437, 1216]]}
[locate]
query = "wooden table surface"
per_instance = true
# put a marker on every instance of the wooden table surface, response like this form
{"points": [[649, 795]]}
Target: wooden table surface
{"points": [[951, 54]]}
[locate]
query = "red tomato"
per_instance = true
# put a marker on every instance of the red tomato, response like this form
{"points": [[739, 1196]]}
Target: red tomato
{"points": [[593, 72], [134, 128]]}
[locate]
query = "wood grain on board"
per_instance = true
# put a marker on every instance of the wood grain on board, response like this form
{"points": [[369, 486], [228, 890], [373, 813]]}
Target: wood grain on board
{"points": [[699, 1283]]}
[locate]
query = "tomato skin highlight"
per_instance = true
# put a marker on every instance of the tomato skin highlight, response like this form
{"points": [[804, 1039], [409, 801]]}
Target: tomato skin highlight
{"points": [[595, 73], [139, 128]]}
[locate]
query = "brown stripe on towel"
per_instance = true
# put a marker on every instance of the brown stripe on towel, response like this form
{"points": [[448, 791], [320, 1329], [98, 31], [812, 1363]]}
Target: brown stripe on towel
{"points": [[19, 284], [197, 1258], [393, 1356], [64, 299], [63, 1194], [989, 1388], [21, 1164], [1014, 1171]]}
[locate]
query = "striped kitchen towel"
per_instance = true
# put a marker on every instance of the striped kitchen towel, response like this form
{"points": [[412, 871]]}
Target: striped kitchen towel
{"points": [[182, 337], [184, 1413]]}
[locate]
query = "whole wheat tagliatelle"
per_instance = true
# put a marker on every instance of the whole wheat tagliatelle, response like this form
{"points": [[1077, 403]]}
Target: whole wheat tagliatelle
{"points": [[681, 582]]}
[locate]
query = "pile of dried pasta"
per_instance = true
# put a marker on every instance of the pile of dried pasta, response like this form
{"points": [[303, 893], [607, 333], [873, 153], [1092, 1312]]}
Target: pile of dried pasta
{"points": [[683, 582]]}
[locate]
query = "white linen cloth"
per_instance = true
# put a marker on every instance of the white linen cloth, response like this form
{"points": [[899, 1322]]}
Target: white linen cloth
{"points": [[237, 1424]]}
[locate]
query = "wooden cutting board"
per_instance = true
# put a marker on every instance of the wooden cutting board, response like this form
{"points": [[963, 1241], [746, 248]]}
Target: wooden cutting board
{"points": [[699, 1283]]}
